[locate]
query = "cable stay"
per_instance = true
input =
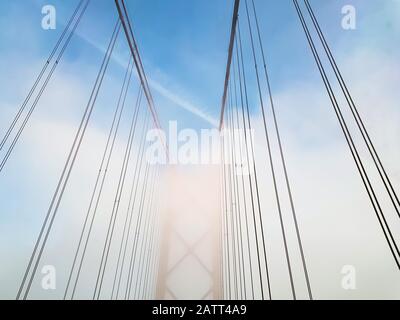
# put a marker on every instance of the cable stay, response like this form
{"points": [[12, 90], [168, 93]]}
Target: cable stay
{"points": [[243, 144], [146, 235], [350, 142], [55, 203], [236, 92], [271, 162], [16, 119], [282, 158], [100, 179], [117, 200], [129, 261], [234, 165], [153, 242], [133, 259], [356, 115], [129, 213], [131, 206]]}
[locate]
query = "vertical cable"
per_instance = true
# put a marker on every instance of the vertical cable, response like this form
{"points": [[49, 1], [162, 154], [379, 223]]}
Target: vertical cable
{"points": [[51, 214], [111, 138], [238, 217], [248, 164], [283, 161], [225, 213], [117, 199], [130, 210], [256, 186], [39, 77], [271, 160], [42, 89], [360, 167]]}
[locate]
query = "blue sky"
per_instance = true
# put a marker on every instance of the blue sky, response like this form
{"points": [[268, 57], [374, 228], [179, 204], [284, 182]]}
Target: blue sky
{"points": [[183, 45]]}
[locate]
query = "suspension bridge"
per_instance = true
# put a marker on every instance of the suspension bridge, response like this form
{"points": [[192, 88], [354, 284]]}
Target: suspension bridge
{"points": [[211, 243]]}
